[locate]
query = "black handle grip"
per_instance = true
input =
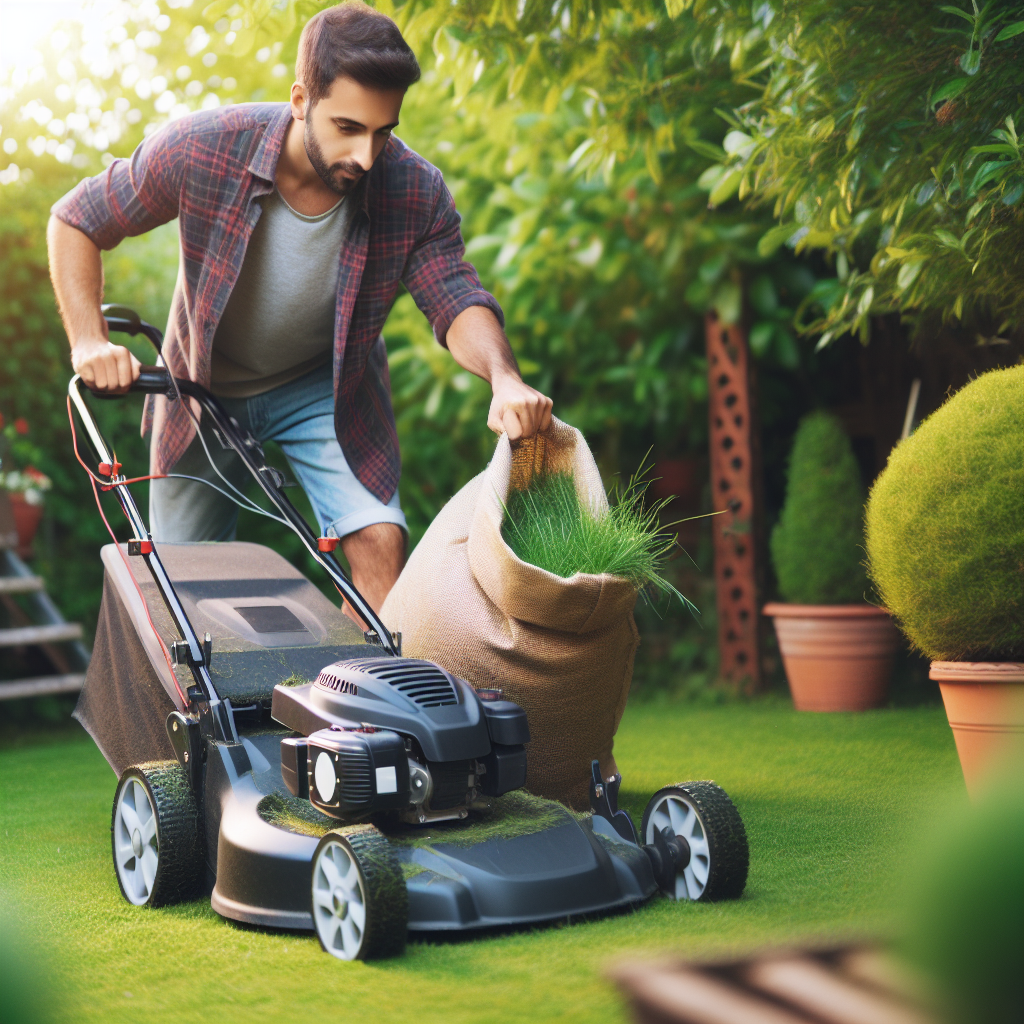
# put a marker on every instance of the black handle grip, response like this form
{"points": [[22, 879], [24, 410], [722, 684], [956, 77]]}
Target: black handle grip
{"points": [[153, 380]]}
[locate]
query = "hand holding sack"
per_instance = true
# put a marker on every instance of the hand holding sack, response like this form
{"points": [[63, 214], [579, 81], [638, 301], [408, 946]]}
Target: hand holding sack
{"points": [[561, 648]]}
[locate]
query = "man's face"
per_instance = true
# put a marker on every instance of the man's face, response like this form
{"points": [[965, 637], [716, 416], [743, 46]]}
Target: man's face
{"points": [[345, 131]]}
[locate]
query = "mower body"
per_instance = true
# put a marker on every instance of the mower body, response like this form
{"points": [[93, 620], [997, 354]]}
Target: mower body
{"points": [[303, 682]]}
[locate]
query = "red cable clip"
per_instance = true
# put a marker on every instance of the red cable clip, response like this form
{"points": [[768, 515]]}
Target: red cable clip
{"points": [[326, 544], [106, 469], [140, 547]]}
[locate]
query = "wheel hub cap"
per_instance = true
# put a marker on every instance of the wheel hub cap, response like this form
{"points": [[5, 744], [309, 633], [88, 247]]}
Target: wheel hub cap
{"points": [[340, 904], [137, 843]]}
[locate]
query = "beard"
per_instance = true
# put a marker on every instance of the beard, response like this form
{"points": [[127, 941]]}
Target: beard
{"points": [[340, 177]]}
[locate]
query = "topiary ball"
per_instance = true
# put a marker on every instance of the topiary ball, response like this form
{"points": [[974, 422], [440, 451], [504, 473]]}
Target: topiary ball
{"points": [[816, 545], [945, 525]]}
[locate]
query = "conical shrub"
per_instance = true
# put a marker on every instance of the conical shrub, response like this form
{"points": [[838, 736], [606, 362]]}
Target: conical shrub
{"points": [[816, 545]]}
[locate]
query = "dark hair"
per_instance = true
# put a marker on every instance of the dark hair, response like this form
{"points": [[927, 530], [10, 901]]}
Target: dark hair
{"points": [[352, 40]]}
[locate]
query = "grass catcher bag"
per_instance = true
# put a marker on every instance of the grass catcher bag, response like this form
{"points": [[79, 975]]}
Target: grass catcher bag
{"points": [[562, 648]]}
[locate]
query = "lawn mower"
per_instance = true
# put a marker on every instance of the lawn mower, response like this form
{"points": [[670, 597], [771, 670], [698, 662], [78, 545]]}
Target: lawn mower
{"points": [[312, 778]]}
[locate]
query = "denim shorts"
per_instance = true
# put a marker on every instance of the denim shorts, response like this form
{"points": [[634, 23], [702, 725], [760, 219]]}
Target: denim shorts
{"points": [[299, 416]]}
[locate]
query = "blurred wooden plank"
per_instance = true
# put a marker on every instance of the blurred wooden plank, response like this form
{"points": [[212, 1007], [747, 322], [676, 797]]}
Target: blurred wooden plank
{"points": [[41, 686], [20, 584], [872, 967], [814, 988], [24, 635], [683, 996]]}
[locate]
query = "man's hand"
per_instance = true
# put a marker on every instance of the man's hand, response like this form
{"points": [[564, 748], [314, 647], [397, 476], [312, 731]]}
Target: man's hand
{"points": [[517, 409], [478, 344], [104, 366]]}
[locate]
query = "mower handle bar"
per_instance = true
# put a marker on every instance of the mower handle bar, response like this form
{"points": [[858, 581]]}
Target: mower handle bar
{"points": [[157, 380]]}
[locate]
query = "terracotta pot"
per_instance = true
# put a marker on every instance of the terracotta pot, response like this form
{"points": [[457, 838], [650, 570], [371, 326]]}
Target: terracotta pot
{"points": [[26, 520], [838, 657], [985, 707]]}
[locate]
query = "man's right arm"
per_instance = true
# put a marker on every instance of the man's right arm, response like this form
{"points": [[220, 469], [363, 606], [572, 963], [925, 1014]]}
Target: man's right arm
{"points": [[129, 198], [76, 269]]}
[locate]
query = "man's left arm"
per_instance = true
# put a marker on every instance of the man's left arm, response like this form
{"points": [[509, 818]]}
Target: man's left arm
{"points": [[478, 344], [468, 321]]}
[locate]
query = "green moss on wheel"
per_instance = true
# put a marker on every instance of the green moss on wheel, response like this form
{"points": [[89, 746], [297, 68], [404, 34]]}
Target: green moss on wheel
{"points": [[945, 525], [817, 544]]}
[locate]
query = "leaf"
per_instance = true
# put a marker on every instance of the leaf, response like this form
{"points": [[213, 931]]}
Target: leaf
{"points": [[676, 7], [728, 302], [956, 10], [771, 240], [1013, 195], [737, 143], [725, 189], [952, 88], [908, 274], [970, 61], [994, 147], [1009, 31], [865, 300], [708, 149], [761, 337], [711, 177]]}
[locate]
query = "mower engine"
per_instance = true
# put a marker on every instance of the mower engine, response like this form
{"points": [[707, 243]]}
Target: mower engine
{"points": [[401, 735]]}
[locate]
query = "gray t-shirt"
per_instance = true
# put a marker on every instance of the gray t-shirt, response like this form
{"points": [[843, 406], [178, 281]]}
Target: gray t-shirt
{"points": [[279, 321]]}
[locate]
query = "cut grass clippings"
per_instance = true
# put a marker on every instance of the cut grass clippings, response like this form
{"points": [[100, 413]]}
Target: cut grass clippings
{"points": [[547, 525], [832, 806], [509, 816]]}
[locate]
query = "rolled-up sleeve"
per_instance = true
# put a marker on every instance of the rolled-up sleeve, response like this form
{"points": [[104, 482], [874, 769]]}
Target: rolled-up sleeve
{"points": [[441, 281], [131, 196]]}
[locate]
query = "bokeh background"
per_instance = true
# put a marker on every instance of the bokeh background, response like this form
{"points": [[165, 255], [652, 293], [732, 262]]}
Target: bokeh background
{"points": [[621, 170]]}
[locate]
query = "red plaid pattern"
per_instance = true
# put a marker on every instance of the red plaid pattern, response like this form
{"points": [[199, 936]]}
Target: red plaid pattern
{"points": [[207, 169]]}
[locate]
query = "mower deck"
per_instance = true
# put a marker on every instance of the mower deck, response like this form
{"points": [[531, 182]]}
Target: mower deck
{"points": [[263, 871]]}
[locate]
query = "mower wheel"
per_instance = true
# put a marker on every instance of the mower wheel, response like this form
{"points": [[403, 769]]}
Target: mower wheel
{"points": [[360, 902], [154, 835], [702, 814]]}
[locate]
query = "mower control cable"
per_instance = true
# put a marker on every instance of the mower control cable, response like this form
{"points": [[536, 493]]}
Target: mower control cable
{"points": [[159, 380], [212, 709]]}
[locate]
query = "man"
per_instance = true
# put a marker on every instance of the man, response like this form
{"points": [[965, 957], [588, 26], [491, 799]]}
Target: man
{"points": [[297, 222]]}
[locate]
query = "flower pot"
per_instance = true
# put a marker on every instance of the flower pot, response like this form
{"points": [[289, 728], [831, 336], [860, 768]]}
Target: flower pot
{"points": [[837, 657], [27, 518], [985, 706]]}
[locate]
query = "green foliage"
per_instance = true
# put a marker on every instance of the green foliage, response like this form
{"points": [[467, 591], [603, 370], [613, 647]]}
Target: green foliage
{"points": [[816, 544], [967, 927], [945, 533], [573, 155], [886, 136], [547, 525]]}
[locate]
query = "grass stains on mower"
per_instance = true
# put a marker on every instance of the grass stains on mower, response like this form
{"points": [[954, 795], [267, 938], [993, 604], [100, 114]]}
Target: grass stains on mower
{"points": [[383, 797]]}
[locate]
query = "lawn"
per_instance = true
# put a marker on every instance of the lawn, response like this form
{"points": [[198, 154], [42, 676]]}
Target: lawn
{"points": [[832, 804]]}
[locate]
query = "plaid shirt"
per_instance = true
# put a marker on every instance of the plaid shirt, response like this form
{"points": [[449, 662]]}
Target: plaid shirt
{"points": [[208, 169]]}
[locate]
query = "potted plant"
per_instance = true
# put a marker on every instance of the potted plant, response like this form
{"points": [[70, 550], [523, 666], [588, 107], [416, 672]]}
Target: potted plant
{"points": [[945, 540], [23, 483], [838, 650]]}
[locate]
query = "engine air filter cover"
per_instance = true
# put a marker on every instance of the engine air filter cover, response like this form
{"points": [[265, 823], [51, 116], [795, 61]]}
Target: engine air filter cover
{"points": [[357, 771]]}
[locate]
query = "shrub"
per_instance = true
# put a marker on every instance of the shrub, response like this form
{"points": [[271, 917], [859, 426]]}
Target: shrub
{"points": [[945, 525], [816, 545], [548, 526]]}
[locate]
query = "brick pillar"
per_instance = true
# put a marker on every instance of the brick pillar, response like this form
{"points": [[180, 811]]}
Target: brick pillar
{"points": [[734, 487]]}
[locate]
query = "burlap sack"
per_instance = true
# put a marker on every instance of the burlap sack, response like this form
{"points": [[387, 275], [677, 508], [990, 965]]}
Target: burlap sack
{"points": [[561, 648]]}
